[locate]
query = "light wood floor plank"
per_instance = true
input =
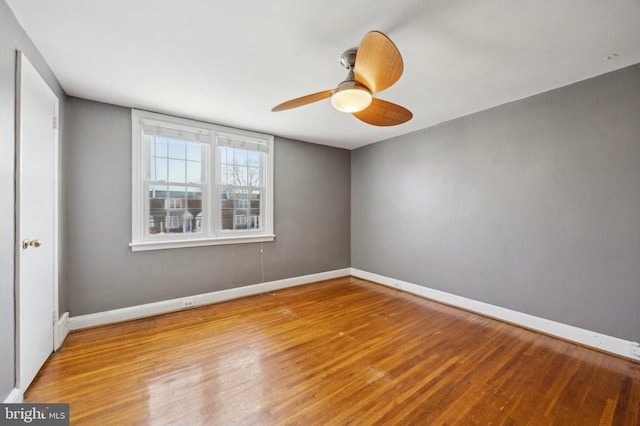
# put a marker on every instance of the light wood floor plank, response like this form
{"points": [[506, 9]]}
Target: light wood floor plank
{"points": [[343, 351]]}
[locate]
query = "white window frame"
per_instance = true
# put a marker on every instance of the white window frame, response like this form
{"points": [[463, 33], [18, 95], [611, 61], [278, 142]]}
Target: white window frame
{"points": [[211, 234]]}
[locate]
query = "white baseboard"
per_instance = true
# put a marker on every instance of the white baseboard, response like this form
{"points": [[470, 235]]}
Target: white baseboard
{"points": [[60, 330], [581, 336], [599, 341], [166, 306], [16, 396]]}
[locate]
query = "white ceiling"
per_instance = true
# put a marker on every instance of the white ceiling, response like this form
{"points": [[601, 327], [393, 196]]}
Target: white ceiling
{"points": [[229, 62]]}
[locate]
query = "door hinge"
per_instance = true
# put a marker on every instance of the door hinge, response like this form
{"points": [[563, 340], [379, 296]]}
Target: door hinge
{"points": [[55, 122], [54, 317]]}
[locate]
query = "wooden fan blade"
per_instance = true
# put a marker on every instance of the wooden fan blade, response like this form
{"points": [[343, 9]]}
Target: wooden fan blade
{"points": [[294, 103], [378, 62], [383, 113]]}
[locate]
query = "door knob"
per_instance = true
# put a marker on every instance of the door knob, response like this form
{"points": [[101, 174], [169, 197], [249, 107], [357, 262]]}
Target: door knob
{"points": [[33, 243]]}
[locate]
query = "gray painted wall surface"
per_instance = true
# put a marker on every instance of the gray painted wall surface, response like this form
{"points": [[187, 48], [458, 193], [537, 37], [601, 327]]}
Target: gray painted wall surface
{"points": [[312, 211], [532, 206], [12, 38]]}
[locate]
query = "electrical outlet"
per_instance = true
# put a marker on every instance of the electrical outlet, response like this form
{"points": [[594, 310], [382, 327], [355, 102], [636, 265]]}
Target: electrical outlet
{"points": [[188, 303]]}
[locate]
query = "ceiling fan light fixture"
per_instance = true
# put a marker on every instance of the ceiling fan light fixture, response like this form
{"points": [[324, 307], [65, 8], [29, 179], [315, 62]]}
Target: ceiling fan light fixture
{"points": [[375, 65], [351, 96]]}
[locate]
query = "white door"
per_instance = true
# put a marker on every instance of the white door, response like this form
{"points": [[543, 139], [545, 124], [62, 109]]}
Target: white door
{"points": [[36, 172]]}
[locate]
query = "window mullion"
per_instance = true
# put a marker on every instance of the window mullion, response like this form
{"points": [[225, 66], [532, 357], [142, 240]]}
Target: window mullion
{"points": [[214, 193]]}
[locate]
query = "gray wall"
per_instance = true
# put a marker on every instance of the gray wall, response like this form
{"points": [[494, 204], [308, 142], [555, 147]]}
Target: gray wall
{"points": [[532, 206], [12, 38], [312, 211]]}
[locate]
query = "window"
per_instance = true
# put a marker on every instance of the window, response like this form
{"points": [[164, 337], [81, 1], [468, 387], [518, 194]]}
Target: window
{"points": [[197, 184], [240, 221]]}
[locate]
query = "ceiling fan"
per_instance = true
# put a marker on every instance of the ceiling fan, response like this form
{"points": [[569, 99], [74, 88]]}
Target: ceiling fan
{"points": [[374, 66]]}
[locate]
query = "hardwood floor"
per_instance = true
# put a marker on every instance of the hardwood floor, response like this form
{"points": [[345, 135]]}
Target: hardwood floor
{"points": [[344, 351]]}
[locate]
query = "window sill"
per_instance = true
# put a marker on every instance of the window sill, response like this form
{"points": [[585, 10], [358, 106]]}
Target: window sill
{"points": [[173, 244]]}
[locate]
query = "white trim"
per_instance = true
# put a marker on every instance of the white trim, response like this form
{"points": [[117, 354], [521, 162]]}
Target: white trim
{"points": [[60, 331], [168, 244], [16, 396], [157, 308], [599, 341], [56, 215]]}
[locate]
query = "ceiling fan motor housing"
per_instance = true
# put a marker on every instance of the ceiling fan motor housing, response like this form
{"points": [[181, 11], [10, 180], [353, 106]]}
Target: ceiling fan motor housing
{"points": [[348, 58]]}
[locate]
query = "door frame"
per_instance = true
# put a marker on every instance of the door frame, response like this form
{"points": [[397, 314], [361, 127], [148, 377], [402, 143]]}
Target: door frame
{"points": [[21, 62]]}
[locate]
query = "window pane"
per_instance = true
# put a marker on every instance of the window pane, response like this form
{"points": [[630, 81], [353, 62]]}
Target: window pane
{"points": [[242, 204], [151, 166], [160, 169], [254, 199], [194, 151], [231, 156], [194, 209], [177, 192], [177, 171], [222, 152], [226, 210], [157, 212], [254, 222], [239, 167], [173, 166], [253, 174], [177, 149], [240, 209], [254, 158], [150, 142], [174, 209], [160, 146], [226, 175], [255, 212], [239, 175], [194, 172]]}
